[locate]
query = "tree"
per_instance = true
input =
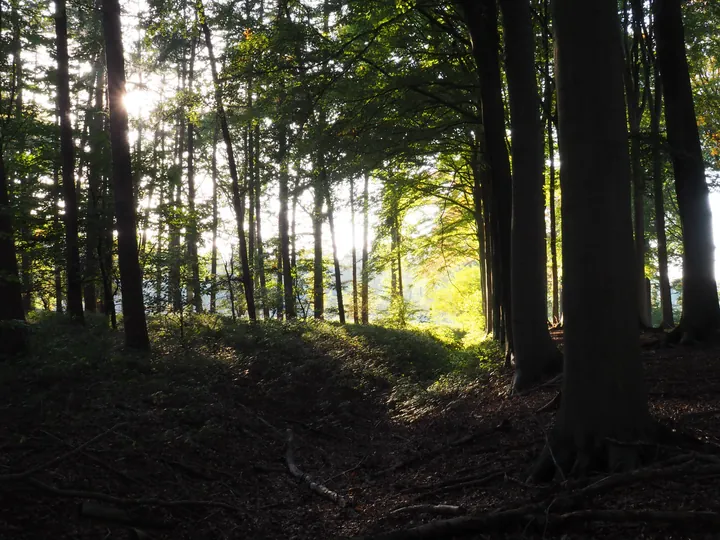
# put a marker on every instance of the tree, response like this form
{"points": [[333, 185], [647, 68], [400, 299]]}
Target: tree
{"points": [[481, 19], [535, 353], [701, 312], [238, 199], [67, 156], [603, 395], [136, 335], [11, 308]]}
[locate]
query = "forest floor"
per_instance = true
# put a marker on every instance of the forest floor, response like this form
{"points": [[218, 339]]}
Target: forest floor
{"points": [[191, 441]]}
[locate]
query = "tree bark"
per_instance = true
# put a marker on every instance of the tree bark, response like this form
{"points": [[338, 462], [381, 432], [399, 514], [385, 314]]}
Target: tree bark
{"points": [[603, 395], [67, 155], [535, 353], [237, 197], [701, 313], [136, 335]]}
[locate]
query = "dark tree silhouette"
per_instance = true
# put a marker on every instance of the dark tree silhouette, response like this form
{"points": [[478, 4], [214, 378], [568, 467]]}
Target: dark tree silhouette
{"points": [[701, 313], [603, 395], [136, 335]]}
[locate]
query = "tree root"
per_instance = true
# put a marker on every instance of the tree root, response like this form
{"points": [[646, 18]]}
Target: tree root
{"points": [[560, 510], [314, 486]]}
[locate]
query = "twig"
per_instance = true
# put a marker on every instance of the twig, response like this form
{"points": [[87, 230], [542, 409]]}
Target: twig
{"points": [[314, 486], [29, 472], [455, 482], [443, 509]]}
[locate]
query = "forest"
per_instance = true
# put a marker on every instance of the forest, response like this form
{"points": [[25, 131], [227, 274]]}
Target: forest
{"points": [[390, 269]]}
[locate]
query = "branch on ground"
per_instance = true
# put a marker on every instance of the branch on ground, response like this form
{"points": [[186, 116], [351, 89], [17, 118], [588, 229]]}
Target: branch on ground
{"points": [[314, 486]]}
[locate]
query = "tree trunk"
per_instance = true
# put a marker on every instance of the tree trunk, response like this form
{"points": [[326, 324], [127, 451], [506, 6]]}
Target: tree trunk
{"points": [[175, 274], [549, 92], [284, 226], [192, 236], [249, 182], [481, 17], [213, 256], [136, 335], [317, 221], [356, 318], [17, 84], [336, 261], [237, 198], [635, 106], [67, 154], [701, 313], [535, 353], [664, 281], [92, 220], [57, 251], [603, 395], [365, 272]]}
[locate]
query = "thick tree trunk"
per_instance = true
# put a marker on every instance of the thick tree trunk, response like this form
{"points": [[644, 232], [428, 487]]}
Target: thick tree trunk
{"points": [[237, 198], [336, 261], [603, 395], [317, 222], [213, 256], [67, 155], [701, 313], [664, 281], [481, 18], [365, 271], [535, 353], [356, 313], [136, 335]]}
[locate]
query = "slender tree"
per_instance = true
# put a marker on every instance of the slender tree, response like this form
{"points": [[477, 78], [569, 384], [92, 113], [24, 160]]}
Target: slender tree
{"points": [[136, 335], [192, 236], [365, 271], [67, 157], [237, 198], [701, 312], [356, 318]]}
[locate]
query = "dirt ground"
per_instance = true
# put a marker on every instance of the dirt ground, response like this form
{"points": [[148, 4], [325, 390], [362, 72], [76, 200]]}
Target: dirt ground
{"points": [[163, 460]]}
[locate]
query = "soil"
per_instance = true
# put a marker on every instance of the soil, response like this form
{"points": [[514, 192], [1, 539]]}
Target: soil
{"points": [[160, 439]]}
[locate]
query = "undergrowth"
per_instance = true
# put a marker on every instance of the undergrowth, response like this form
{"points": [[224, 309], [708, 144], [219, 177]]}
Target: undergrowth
{"points": [[408, 367]]}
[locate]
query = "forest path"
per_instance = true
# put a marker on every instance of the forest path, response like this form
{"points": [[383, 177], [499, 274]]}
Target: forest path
{"points": [[201, 423]]}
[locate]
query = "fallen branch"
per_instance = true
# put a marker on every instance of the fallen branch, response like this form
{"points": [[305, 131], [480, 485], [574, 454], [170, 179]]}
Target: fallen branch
{"points": [[443, 509], [10, 477], [314, 486]]}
